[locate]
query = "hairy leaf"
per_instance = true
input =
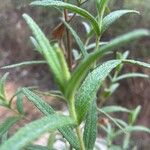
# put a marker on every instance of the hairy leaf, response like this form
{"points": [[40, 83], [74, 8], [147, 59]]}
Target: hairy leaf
{"points": [[134, 128], [84, 66], [90, 129], [34, 129], [36, 147], [52, 54], [138, 63], [112, 119], [130, 75], [90, 86], [26, 63], [8, 123], [19, 102], [35, 44], [2, 85], [72, 8], [77, 38], [113, 17], [134, 115], [112, 109], [46, 109]]}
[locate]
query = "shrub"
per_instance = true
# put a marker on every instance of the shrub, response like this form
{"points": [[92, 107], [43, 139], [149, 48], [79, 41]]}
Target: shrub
{"points": [[78, 79]]}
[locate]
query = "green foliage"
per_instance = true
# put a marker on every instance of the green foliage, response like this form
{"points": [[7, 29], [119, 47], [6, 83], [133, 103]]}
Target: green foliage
{"points": [[33, 130], [7, 124], [90, 86], [90, 129], [78, 82]]}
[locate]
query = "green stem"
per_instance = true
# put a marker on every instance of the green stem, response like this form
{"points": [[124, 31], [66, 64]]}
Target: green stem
{"points": [[80, 138], [73, 114]]}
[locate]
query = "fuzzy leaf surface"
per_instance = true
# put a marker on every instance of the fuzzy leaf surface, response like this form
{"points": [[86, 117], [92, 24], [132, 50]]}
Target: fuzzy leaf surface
{"points": [[90, 129], [2, 84], [46, 109], [34, 129], [51, 53], [7, 124], [26, 63], [112, 109], [77, 38], [90, 86], [130, 75], [73, 8], [113, 17], [85, 65], [138, 63]]}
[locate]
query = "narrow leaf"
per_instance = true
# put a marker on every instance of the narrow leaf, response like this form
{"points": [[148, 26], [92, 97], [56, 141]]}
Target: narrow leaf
{"points": [[48, 51], [2, 85], [90, 86], [113, 17], [34, 129], [138, 63], [46, 109], [92, 45], [26, 63], [36, 147], [112, 119], [7, 124], [35, 44], [90, 129], [82, 69], [134, 129], [73, 8], [19, 102], [134, 114], [112, 109], [130, 75], [77, 38]]}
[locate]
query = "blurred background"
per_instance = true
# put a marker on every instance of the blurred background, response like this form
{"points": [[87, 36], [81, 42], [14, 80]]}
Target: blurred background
{"points": [[16, 47]]}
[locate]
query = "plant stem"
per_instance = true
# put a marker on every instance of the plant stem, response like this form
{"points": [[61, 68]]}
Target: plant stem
{"points": [[80, 138], [68, 38], [73, 114]]}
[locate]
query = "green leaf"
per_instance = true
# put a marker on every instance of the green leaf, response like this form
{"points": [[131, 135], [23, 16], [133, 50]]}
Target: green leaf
{"points": [[72, 8], [92, 45], [112, 109], [19, 102], [34, 129], [4, 137], [46, 109], [2, 85], [134, 129], [52, 54], [112, 119], [90, 129], [36, 147], [85, 65], [121, 122], [64, 72], [101, 5], [113, 17], [26, 63], [35, 44], [109, 91], [90, 86], [130, 75], [38, 102], [138, 63], [8, 123], [77, 38], [51, 140], [134, 115]]}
